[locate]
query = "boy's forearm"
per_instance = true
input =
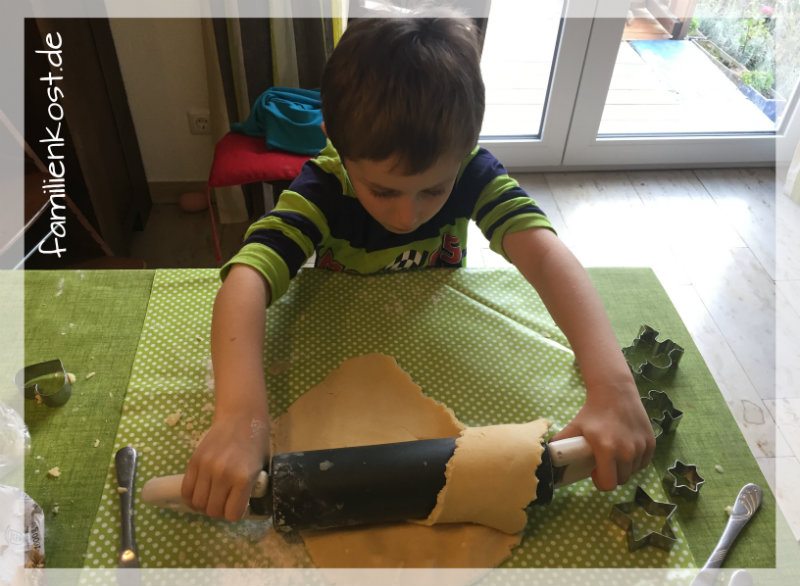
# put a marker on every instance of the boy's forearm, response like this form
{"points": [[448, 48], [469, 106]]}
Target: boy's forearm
{"points": [[612, 419], [570, 297], [237, 345]]}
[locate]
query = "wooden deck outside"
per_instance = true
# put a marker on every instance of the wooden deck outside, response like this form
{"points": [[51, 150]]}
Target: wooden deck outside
{"points": [[642, 25]]}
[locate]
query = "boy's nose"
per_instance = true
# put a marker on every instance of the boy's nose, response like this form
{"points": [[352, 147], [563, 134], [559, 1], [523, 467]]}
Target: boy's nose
{"points": [[406, 214]]}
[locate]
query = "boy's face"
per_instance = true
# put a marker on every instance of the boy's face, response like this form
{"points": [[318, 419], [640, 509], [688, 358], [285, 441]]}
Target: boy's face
{"points": [[402, 203]]}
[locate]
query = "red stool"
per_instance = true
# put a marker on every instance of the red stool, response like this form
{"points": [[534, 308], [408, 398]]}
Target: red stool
{"points": [[241, 159]]}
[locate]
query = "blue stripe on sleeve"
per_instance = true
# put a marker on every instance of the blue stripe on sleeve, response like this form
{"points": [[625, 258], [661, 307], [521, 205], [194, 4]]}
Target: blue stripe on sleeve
{"points": [[514, 193], [528, 209], [287, 248], [302, 223]]}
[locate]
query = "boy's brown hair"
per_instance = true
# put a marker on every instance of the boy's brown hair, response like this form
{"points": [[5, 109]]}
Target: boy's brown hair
{"points": [[409, 88]]}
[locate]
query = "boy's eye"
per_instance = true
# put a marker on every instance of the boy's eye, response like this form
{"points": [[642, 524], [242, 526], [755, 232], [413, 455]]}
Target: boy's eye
{"points": [[433, 192], [377, 193]]}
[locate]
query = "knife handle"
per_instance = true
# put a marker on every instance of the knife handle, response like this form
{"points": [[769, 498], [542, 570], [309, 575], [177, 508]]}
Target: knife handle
{"points": [[747, 503], [125, 464]]}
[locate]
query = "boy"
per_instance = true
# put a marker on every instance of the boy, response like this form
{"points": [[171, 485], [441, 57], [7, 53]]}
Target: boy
{"points": [[401, 176]]}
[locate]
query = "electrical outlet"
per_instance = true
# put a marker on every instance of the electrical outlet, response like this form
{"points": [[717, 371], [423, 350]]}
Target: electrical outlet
{"points": [[199, 121]]}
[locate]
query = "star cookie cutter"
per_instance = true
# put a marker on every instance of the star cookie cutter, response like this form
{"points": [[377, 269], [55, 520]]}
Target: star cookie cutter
{"points": [[683, 480], [651, 359], [661, 411], [622, 514], [47, 382]]}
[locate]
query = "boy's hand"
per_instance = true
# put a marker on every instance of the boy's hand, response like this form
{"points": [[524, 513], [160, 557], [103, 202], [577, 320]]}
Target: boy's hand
{"points": [[615, 423], [224, 467]]}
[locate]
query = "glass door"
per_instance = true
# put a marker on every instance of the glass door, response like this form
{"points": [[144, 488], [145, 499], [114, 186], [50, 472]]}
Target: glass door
{"points": [[532, 52], [640, 83], [685, 82]]}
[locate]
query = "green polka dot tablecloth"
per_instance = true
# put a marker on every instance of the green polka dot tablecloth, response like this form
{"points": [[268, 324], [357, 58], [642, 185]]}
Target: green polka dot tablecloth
{"points": [[478, 340]]}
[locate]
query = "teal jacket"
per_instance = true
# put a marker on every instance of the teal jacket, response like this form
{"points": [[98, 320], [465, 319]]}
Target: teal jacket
{"points": [[289, 118]]}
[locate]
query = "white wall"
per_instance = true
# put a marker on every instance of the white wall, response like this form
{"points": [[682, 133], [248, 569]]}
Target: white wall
{"points": [[164, 73]]}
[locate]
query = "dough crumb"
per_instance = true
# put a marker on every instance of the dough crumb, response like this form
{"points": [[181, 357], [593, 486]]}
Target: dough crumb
{"points": [[189, 426], [54, 472], [718, 468], [56, 508], [71, 378], [197, 437], [122, 490], [326, 465], [38, 399], [96, 443], [173, 419], [90, 375], [729, 510]]}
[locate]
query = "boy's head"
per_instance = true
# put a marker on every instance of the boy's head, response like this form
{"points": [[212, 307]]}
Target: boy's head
{"points": [[404, 89]]}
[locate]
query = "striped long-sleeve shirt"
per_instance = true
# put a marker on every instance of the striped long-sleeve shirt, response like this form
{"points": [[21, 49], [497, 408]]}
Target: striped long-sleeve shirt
{"points": [[320, 213]]}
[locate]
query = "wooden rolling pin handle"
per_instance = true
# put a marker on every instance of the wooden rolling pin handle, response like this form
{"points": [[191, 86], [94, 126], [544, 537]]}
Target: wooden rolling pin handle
{"points": [[165, 492]]}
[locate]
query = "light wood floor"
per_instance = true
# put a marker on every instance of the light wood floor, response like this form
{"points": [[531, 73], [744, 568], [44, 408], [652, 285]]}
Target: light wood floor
{"points": [[709, 235]]}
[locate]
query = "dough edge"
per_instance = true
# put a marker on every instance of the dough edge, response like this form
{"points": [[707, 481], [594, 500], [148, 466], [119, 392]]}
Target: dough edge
{"points": [[491, 477]]}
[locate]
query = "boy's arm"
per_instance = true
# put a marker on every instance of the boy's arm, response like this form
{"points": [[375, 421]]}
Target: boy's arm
{"points": [[613, 419], [224, 467]]}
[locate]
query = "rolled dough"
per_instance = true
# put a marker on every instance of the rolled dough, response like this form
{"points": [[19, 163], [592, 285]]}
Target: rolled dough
{"points": [[370, 400], [491, 477]]}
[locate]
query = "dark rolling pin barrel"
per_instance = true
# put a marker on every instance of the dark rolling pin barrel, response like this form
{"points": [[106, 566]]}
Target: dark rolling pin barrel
{"points": [[385, 483]]}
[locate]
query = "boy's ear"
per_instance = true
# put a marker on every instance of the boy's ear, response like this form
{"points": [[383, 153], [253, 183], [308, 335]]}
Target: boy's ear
{"points": [[325, 132]]}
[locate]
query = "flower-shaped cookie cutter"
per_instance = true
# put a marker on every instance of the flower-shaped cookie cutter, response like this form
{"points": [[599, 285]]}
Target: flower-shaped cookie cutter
{"points": [[651, 359], [661, 411], [683, 480], [623, 514]]}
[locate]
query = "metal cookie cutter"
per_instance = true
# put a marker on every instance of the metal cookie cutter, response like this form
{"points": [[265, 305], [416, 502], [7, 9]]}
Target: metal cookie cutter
{"points": [[623, 515], [661, 411], [683, 480], [650, 359], [657, 431], [46, 382]]}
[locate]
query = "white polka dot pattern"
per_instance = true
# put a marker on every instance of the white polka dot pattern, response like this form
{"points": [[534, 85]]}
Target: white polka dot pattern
{"points": [[478, 340]]}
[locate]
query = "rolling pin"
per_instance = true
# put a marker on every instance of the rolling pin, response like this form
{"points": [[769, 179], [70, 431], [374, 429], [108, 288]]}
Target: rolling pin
{"points": [[362, 485]]}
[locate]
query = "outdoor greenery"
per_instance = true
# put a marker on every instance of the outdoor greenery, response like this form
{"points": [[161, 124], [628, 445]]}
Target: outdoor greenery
{"points": [[763, 81], [764, 37]]}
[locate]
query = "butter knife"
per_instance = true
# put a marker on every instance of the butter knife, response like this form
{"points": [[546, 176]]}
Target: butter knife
{"points": [[125, 463]]}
